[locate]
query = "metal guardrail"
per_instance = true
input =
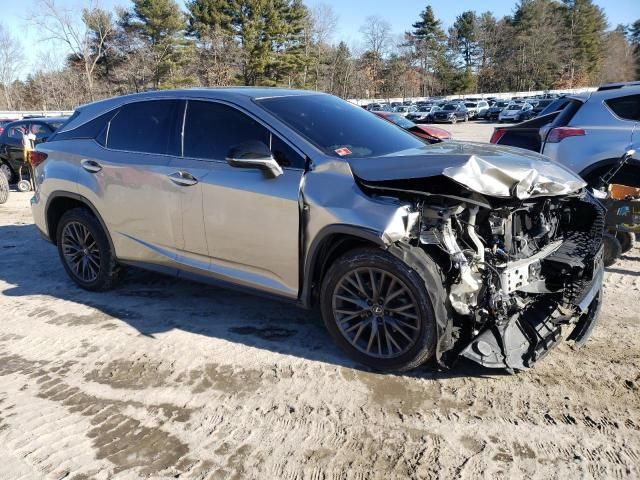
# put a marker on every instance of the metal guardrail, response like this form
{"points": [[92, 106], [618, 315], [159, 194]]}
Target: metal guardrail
{"points": [[19, 114], [500, 95]]}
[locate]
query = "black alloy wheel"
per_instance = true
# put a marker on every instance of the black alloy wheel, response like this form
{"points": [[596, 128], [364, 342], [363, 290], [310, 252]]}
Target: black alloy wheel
{"points": [[376, 312], [81, 252], [85, 251]]}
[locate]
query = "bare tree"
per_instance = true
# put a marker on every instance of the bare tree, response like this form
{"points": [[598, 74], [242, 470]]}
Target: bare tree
{"points": [[9, 64], [84, 35], [324, 21], [376, 33]]}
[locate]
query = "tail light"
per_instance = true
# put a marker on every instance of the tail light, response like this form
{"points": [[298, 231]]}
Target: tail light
{"points": [[497, 135], [37, 158], [560, 133]]}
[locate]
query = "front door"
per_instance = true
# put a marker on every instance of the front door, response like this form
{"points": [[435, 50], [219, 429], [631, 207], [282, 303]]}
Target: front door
{"points": [[250, 221]]}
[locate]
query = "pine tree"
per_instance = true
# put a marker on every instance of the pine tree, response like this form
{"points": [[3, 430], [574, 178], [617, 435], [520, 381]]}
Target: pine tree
{"points": [[585, 27], [428, 41], [160, 24]]}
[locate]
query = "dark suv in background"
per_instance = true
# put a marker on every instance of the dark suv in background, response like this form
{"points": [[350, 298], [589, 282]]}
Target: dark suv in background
{"points": [[11, 150]]}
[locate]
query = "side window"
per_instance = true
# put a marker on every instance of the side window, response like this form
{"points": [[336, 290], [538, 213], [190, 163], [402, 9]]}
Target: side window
{"points": [[15, 132], [212, 129], [284, 154], [40, 131], [148, 127], [627, 107]]}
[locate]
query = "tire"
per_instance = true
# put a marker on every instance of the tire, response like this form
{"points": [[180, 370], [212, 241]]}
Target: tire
{"points": [[105, 272], [612, 249], [454, 120], [410, 311], [4, 188], [6, 169], [24, 186], [466, 118], [627, 241]]}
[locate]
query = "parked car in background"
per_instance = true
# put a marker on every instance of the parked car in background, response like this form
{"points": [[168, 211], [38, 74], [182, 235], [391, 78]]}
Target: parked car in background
{"points": [[495, 109], [404, 110], [411, 252], [587, 135], [451, 113], [4, 122], [482, 109], [429, 133], [516, 112], [476, 109], [423, 114], [540, 105], [11, 151]]}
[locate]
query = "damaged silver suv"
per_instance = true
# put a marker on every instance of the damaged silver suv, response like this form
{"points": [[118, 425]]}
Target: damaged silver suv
{"points": [[411, 251]]}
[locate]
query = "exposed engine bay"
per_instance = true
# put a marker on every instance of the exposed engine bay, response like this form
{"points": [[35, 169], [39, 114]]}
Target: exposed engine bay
{"points": [[515, 270]]}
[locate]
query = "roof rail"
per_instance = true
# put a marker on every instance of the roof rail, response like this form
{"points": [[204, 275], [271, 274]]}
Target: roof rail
{"points": [[614, 86]]}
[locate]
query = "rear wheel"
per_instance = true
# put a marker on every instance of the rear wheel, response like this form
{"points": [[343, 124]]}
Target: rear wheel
{"points": [[85, 251], [378, 310], [612, 249], [4, 168], [4, 188]]}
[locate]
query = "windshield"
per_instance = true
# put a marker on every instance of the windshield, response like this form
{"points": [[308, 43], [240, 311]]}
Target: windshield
{"points": [[514, 107], [339, 128], [502, 104], [470, 105], [449, 107]]}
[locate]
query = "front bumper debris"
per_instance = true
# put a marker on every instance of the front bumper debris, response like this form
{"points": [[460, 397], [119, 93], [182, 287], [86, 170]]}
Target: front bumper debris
{"points": [[526, 338]]}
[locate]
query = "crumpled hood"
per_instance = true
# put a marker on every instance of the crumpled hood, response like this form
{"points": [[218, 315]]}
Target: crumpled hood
{"points": [[491, 170]]}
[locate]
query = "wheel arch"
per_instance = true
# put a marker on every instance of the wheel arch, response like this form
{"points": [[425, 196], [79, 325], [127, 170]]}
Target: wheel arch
{"points": [[60, 202], [329, 244], [595, 170]]}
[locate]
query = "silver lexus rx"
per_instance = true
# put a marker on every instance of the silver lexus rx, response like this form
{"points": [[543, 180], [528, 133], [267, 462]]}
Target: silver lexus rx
{"points": [[411, 251]]}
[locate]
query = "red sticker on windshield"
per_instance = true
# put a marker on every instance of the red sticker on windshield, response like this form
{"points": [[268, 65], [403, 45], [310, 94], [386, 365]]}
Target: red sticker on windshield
{"points": [[342, 151]]}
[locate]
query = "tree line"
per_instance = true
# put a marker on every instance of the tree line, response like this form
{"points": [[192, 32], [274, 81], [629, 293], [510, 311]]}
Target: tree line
{"points": [[154, 44]]}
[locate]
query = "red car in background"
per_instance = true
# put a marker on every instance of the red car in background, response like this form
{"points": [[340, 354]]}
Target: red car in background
{"points": [[4, 122], [429, 133]]}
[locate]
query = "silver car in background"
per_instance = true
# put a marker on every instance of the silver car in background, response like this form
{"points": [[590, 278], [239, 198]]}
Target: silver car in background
{"points": [[411, 251], [588, 134]]}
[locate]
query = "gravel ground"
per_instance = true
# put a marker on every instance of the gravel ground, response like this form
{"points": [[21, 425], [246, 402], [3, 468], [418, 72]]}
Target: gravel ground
{"points": [[168, 379]]}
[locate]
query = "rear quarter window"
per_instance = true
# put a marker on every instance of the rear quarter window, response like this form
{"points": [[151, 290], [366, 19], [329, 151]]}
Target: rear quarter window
{"points": [[146, 127], [627, 107]]}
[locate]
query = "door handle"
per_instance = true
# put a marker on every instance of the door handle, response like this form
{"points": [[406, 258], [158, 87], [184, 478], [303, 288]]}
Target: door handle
{"points": [[183, 178], [91, 166]]}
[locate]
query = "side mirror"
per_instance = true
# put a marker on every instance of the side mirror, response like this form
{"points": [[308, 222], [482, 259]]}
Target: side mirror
{"points": [[254, 154]]}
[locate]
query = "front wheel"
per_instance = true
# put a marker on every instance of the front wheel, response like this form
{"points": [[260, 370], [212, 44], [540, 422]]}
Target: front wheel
{"points": [[454, 120], [378, 310], [85, 251], [4, 168]]}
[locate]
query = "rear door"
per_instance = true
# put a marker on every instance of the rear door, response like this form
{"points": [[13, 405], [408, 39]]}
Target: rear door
{"points": [[129, 180], [247, 222]]}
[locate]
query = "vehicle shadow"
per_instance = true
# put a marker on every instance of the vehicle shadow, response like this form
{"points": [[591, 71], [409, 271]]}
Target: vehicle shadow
{"points": [[152, 303]]}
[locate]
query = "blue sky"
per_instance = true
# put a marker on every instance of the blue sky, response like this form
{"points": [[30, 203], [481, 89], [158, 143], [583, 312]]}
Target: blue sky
{"points": [[400, 13]]}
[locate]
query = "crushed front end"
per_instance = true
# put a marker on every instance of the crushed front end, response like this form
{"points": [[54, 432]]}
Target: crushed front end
{"points": [[516, 271], [519, 273]]}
